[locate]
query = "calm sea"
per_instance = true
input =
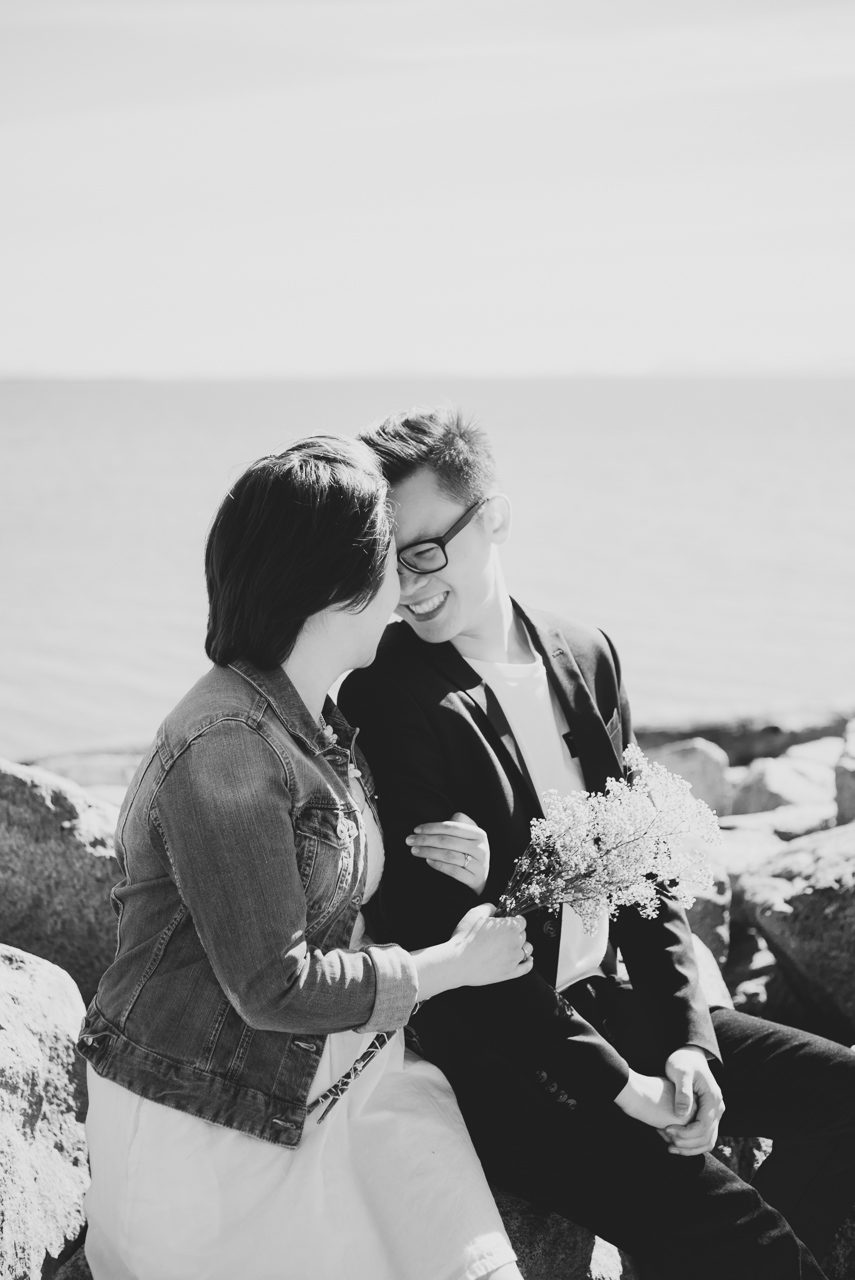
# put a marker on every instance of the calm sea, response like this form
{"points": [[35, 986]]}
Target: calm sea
{"points": [[707, 525]]}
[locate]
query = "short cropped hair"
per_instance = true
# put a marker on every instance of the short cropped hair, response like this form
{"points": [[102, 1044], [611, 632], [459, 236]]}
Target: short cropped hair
{"points": [[455, 449], [299, 532]]}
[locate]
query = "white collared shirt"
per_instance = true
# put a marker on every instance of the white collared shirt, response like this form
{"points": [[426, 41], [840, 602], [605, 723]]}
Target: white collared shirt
{"points": [[538, 724]]}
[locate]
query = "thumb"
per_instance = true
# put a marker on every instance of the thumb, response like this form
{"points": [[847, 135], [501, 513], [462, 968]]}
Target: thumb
{"points": [[482, 912], [683, 1097]]}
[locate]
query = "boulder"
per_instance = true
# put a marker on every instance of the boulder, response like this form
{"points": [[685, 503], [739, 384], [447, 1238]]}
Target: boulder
{"points": [[844, 777], [760, 985], [820, 751], [57, 869], [787, 822], [549, 1247], [801, 899], [742, 848], [703, 764], [709, 917], [839, 1263], [746, 739], [769, 783], [76, 1268], [43, 1169]]}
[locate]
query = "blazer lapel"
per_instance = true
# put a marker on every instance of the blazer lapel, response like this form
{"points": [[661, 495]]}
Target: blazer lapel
{"points": [[591, 742], [492, 723]]}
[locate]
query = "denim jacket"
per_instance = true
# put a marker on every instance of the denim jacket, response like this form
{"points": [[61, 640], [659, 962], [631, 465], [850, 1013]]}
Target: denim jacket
{"points": [[243, 855]]}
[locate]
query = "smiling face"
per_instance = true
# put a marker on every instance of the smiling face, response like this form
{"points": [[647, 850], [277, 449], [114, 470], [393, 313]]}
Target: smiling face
{"points": [[458, 601]]}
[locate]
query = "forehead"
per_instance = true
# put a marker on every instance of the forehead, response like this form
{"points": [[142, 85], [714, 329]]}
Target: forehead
{"points": [[421, 509]]}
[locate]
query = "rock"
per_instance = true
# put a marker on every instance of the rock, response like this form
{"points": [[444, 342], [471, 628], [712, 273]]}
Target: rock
{"points": [[801, 899], [43, 1169], [57, 869], [820, 751], [787, 822], [761, 986], [743, 1156], [769, 783], [703, 764], [839, 1263], [551, 1248], [746, 739], [844, 776], [742, 848], [709, 917], [76, 1268]]}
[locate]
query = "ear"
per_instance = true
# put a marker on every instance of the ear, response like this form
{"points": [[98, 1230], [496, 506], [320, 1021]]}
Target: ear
{"points": [[497, 518]]}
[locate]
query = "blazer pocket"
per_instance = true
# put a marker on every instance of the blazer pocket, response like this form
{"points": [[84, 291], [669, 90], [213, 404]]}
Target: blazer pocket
{"points": [[614, 729]]}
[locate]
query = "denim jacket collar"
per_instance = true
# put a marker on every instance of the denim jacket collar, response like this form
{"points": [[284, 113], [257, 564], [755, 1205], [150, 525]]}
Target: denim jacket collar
{"points": [[279, 690]]}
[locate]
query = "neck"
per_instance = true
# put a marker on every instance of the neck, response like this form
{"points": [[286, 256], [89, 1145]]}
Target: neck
{"points": [[499, 635], [312, 667]]}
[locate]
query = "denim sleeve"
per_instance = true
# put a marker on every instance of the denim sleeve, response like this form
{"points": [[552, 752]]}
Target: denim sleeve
{"points": [[397, 988], [223, 815]]}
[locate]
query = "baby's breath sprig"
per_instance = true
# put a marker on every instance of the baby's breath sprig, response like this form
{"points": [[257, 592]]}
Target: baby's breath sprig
{"points": [[600, 852]]}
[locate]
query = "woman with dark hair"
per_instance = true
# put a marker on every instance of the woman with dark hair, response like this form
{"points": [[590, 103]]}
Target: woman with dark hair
{"points": [[252, 1111]]}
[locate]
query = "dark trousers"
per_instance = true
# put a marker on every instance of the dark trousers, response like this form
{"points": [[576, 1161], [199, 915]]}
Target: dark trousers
{"points": [[679, 1216]]}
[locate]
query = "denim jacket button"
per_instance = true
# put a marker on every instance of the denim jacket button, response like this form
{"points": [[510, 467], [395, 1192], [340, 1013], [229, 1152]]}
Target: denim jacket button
{"points": [[357, 899]]}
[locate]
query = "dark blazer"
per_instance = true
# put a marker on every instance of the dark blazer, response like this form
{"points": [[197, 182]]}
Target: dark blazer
{"points": [[434, 752]]}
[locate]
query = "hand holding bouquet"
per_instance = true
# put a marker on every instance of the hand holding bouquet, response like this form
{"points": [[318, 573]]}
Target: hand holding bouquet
{"points": [[604, 851]]}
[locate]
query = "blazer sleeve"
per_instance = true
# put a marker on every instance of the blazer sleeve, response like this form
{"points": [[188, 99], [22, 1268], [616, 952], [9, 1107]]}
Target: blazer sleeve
{"points": [[659, 954], [525, 1018]]}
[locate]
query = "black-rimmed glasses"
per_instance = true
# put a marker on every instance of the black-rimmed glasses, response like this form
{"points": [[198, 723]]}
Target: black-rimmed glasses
{"points": [[429, 555]]}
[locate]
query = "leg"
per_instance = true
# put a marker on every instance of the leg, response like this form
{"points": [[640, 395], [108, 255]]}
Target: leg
{"points": [[678, 1216], [799, 1090]]}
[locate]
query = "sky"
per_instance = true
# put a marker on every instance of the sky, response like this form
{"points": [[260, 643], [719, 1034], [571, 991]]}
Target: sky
{"points": [[464, 187]]}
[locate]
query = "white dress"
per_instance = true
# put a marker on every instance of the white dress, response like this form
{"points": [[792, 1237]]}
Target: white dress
{"points": [[388, 1187]]}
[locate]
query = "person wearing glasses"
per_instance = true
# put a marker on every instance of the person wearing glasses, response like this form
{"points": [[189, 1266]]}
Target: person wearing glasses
{"points": [[252, 1112], [583, 1093]]}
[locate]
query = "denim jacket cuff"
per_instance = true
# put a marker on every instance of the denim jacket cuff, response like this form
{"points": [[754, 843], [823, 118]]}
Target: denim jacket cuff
{"points": [[397, 988]]}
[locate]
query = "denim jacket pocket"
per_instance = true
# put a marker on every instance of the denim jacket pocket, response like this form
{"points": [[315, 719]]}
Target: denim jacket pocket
{"points": [[327, 854]]}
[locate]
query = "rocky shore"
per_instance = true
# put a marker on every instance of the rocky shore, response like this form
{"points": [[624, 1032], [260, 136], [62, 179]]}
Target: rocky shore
{"points": [[776, 937]]}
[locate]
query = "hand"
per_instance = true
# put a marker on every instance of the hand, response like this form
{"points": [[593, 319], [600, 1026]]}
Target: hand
{"points": [[698, 1103], [457, 848], [489, 949], [649, 1099]]}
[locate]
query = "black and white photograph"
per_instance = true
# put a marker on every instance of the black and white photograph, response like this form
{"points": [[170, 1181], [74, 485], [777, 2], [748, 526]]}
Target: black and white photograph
{"points": [[427, 640]]}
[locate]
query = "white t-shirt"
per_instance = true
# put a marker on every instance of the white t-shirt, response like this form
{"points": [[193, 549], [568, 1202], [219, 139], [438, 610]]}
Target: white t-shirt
{"points": [[538, 725]]}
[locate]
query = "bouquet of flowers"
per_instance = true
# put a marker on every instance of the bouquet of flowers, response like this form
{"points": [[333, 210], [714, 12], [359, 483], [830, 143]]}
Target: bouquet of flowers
{"points": [[604, 851]]}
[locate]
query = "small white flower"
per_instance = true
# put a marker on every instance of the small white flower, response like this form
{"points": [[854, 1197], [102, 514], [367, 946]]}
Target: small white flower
{"points": [[604, 851]]}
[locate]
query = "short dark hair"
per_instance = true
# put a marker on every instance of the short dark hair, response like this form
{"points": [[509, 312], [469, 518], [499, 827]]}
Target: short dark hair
{"points": [[455, 449], [299, 532]]}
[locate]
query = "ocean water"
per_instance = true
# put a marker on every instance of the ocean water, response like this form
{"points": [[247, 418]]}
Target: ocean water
{"points": [[706, 524]]}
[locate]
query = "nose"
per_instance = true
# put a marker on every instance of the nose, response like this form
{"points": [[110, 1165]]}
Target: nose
{"points": [[409, 581]]}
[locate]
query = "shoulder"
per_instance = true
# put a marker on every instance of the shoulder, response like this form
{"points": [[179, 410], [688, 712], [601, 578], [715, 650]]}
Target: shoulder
{"points": [[399, 665], [223, 717], [588, 645]]}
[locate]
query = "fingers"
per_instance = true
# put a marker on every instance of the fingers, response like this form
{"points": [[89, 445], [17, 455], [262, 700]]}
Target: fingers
{"points": [[684, 1097], [455, 830], [456, 847]]}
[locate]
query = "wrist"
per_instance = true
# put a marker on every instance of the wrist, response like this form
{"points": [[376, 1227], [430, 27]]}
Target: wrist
{"points": [[437, 968]]}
